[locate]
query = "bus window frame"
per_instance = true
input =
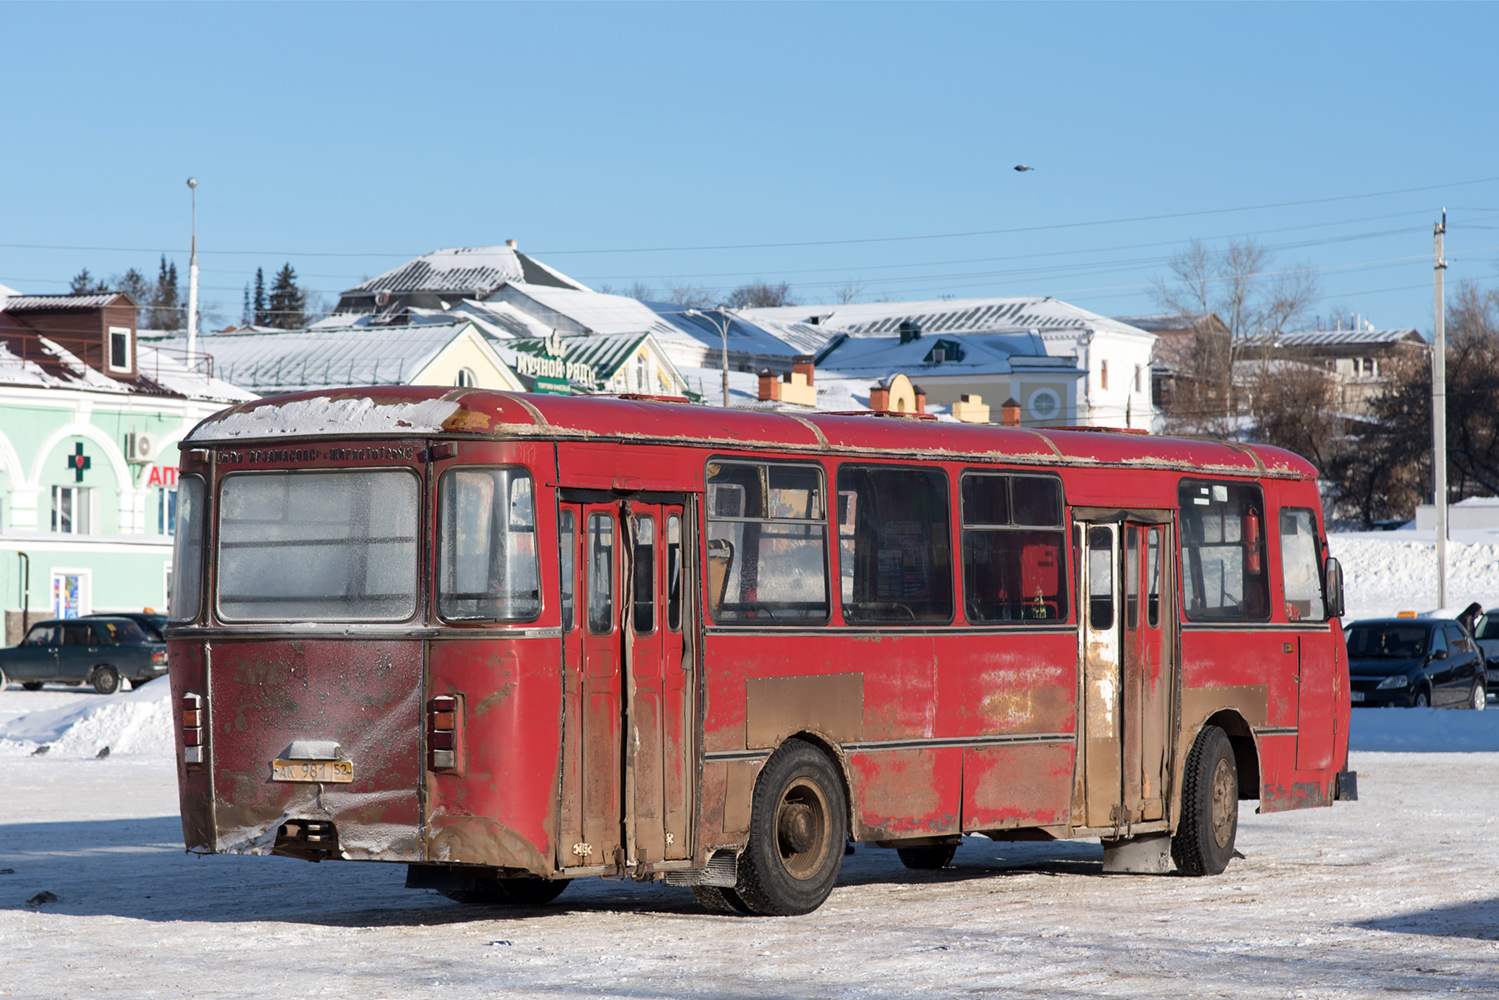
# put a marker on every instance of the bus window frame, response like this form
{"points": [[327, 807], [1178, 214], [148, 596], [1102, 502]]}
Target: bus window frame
{"points": [[424, 523], [1271, 581], [835, 510], [828, 543], [435, 594], [1066, 567]]}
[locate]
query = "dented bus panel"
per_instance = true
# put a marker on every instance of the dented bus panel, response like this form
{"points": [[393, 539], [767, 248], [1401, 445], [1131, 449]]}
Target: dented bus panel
{"points": [[512, 640]]}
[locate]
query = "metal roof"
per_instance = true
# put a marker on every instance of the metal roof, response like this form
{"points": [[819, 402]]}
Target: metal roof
{"points": [[1328, 338], [469, 271], [604, 351], [996, 315], [47, 303]]}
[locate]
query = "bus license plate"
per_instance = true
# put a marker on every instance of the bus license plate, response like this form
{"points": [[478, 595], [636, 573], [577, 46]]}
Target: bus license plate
{"points": [[333, 772], [1356, 695]]}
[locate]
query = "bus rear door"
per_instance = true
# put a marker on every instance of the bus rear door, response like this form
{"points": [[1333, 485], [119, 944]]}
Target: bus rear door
{"points": [[628, 783], [1129, 675]]}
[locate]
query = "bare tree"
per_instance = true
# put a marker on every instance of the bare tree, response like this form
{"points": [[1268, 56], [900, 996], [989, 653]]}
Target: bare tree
{"points": [[1239, 307], [850, 291], [760, 294], [689, 296]]}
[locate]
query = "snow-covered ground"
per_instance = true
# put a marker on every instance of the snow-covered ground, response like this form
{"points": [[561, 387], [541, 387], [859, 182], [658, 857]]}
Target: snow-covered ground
{"points": [[1385, 572], [1395, 893]]}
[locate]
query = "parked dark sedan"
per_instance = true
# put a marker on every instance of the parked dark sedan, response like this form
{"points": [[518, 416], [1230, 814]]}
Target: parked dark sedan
{"points": [[1414, 662], [99, 651], [151, 622]]}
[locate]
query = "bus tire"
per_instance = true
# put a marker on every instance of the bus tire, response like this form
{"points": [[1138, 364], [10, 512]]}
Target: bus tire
{"points": [[1204, 840], [798, 823], [717, 899], [508, 891], [927, 858]]}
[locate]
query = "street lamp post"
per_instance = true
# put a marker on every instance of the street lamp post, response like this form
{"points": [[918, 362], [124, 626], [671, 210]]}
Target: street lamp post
{"points": [[723, 334], [192, 282]]}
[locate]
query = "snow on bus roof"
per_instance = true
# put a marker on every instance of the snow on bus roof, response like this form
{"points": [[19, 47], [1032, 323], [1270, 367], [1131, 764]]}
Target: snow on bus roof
{"points": [[419, 410]]}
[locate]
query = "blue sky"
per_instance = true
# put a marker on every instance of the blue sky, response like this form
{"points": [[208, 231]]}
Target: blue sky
{"points": [[345, 138]]}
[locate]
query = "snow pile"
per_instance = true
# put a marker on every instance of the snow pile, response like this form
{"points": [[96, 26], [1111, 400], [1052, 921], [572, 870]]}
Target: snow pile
{"points": [[1423, 730], [1387, 572], [346, 416], [139, 722]]}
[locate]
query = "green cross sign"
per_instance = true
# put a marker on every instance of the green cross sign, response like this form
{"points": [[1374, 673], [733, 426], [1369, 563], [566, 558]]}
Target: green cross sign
{"points": [[79, 462]]}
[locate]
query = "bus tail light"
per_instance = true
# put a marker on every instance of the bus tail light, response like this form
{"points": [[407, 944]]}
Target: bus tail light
{"points": [[443, 733], [192, 730]]}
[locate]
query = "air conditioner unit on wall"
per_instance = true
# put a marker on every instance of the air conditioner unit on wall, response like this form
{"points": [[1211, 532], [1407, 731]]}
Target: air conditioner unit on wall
{"points": [[139, 447]]}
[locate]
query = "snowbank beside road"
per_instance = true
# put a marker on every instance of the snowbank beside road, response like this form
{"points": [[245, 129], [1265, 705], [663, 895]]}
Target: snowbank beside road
{"points": [[1385, 572], [139, 722]]}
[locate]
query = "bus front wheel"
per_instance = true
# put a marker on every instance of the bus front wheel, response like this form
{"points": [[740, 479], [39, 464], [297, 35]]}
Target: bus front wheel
{"points": [[1204, 840], [798, 823]]}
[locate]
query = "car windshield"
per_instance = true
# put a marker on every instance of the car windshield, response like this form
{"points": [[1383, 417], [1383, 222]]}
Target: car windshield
{"points": [[1387, 641], [1487, 627], [120, 630]]}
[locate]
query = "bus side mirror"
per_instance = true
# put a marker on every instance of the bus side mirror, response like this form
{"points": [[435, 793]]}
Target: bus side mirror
{"points": [[1332, 587]]}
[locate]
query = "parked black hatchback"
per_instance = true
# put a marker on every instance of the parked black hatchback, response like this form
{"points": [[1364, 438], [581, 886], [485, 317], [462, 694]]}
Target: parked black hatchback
{"points": [[99, 651], [1414, 663]]}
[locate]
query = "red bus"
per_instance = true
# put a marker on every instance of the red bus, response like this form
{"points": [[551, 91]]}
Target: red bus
{"points": [[512, 640]]}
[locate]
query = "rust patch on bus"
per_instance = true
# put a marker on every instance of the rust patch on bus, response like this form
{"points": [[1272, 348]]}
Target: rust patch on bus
{"points": [[1252, 701], [474, 840], [778, 707], [739, 796], [1302, 795], [466, 420]]}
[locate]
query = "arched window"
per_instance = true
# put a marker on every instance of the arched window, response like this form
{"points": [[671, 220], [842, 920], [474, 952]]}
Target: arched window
{"points": [[465, 379]]}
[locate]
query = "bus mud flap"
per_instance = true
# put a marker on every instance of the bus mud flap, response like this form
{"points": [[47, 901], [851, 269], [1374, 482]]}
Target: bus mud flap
{"points": [[1146, 854], [722, 870]]}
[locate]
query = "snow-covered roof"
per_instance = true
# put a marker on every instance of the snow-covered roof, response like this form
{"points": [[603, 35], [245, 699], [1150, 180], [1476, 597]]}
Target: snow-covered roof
{"points": [[1156, 322], [291, 360], [474, 270], [772, 335], [974, 354], [872, 319], [159, 373], [1332, 338], [17, 303], [605, 352], [596, 312]]}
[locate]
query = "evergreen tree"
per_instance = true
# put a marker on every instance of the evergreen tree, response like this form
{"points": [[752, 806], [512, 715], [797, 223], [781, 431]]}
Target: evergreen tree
{"points": [[83, 283], [245, 316], [257, 315], [287, 304], [166, 303], [139, 288]]}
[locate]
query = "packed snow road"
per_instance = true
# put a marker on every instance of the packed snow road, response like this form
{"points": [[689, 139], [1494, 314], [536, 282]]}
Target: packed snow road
{"points": [[1395, 893]]}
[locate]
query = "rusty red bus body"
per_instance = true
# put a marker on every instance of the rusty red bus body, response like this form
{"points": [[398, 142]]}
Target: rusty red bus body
{"points": [[608, 707]]}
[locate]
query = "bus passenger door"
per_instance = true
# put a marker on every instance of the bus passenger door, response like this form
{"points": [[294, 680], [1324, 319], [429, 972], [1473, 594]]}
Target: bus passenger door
{"points": [[589, 539], [1148, 677], [658, 703], [1102, 759]]}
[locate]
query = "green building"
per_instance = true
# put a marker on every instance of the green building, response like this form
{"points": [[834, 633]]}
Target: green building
{"points": [[89, 424]]}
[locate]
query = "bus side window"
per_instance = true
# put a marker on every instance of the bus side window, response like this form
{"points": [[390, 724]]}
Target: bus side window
{"points": [[567, 543], [600, 574], [1300, 565], [767, 543], [895, 564], [1100, 579], [1222, 551], [1131, 578], [1013, 552], [674, 573]]}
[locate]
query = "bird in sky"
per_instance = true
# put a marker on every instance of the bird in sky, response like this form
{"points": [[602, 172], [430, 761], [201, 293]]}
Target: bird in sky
{"points": [[1021, 168]]}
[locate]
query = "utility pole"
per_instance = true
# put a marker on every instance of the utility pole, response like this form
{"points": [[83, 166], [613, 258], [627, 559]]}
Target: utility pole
{"points": [[192, 282], [1439, 412]]}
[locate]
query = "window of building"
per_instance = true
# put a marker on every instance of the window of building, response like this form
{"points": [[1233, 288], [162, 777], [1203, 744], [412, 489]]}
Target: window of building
{"points": [[465, 379], [1223, 551], [767, 543], [1103, 374], [1301, 565], [119, 349], [166, 510], [1138, 370], [894, 551], [71, 509], [1013, 549]]}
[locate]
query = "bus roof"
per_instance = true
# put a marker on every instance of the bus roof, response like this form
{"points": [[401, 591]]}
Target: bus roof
{"points": [[421, 411]]}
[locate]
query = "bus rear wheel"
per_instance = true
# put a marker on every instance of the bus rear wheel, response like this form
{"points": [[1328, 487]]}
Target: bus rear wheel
{"points": [[798, 823], [1204, 840], [509, 891]]}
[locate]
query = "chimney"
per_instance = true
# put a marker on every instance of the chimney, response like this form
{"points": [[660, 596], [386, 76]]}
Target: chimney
{"points": [[1009, 412], [513, 244], [909, 331], [802, 365], [879, 397], [770, 386], [920, 398]]}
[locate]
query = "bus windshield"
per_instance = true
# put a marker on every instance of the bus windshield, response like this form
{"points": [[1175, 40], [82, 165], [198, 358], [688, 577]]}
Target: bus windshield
{"points": [[318, 546]]}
